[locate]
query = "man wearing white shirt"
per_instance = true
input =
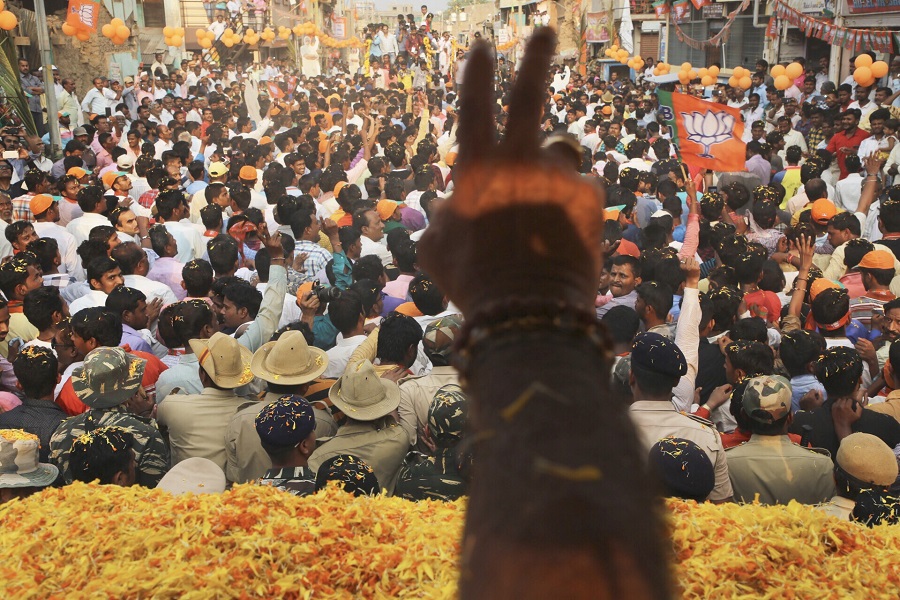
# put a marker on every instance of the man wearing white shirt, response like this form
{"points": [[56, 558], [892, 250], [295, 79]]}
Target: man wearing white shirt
{"points": [[171, 208], [164, 142], [46, 215], [848, 189], [791, 136], [158, 65], [371, 227], [346, 314], [96, 101], [133, 262], [862, 101], [68, 102], [92, 203]]}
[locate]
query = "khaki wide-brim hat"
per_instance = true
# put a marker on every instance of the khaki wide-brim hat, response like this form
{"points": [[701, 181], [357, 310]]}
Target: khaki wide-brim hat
{"points": [[225, 361], [868, 459], [362, 395], [193, 475], [289, 360]]}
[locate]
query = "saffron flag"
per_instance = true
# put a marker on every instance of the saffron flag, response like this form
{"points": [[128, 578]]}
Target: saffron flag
{"points": [[275, 92], [83, 14], [706, 134]]}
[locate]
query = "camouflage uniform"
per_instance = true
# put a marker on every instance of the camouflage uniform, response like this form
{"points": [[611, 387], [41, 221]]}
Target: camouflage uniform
{"points": [[151, 455], [771, 466], [437, 477], [300, 481]]}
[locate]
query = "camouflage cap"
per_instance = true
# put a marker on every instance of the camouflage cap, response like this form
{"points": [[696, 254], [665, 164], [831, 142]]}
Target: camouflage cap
{"points": [[285, 422], [19, 466], [440, 335], [352, 473], [447, 416], [108, 377], [767, 399]]}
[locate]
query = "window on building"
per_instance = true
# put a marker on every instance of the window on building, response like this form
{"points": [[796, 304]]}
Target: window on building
{"points": [[154, 13]]}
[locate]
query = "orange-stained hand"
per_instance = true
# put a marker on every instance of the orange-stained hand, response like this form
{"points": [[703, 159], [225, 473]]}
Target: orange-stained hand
{"points": [[520, 224]]}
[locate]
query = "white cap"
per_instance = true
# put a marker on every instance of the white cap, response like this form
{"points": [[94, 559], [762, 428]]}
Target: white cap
{"points": [[195, 475], [660, 213]]}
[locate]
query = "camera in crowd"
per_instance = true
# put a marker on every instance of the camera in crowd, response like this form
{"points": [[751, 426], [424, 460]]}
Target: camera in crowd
{"points": [[325, 293]]}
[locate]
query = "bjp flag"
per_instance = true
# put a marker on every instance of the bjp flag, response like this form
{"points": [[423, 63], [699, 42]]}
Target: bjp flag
{"points": [[83, 14], [707, 134], [275, 92]]}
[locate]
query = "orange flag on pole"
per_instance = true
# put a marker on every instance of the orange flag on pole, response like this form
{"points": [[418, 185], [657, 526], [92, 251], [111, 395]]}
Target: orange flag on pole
{"points": [[708, 134]]}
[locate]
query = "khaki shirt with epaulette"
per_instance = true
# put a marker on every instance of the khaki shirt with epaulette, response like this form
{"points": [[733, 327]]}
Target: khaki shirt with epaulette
{"points": [[657, 420], [780, 471]]}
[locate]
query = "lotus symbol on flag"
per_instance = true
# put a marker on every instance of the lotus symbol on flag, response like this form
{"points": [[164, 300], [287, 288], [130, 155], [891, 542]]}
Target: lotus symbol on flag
{"points": [[708, 129]]}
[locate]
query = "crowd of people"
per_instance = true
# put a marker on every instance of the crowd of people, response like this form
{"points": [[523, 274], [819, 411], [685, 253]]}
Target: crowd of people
{"points": [[218, 283]]}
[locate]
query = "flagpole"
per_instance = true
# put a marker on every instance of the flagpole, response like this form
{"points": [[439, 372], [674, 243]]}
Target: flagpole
{"points": [[43, 35]]}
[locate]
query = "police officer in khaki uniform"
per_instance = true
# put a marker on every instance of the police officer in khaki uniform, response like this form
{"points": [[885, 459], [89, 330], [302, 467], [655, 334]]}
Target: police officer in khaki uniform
{"points": [[369, 432], [863, 462], [656, 366], [288, 365], [770, 464]]}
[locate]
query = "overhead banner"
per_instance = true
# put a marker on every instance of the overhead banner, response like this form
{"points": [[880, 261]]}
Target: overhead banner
{"points": [[597, 30]]}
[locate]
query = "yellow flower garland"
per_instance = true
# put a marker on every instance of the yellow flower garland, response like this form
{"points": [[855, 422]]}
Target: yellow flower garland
{"points": [[85, 541]]}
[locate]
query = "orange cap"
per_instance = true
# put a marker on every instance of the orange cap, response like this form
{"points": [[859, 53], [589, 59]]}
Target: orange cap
{"points": [[265, 140], [876, 259], [822, 210], [247, 172], [109, 178], [40, 204], [627, 248], [338, 187], [606, 110], [409, 309], [304, 288], [386, 209], [820, 285], [76, 172]]}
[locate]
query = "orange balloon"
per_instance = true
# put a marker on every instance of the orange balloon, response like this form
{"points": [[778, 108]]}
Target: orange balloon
{"points": [[863, 60], [201, 33], [205, 43], [778, 71], [176, 40], [686, 66], [168, 32], [684, 77], [702, 72], [745, 82], [123, 32], [692, 74], [782, 82], [734, 81], [8, 20], [2, 5], [794, 70], [117, 22], [863, 74], [83, 35], [108, 30], [739, 72], [714, 71], [68, 29], [707, 80], [879, 69]]}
